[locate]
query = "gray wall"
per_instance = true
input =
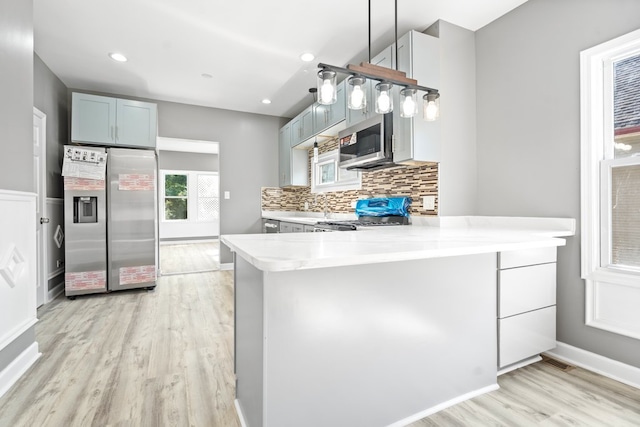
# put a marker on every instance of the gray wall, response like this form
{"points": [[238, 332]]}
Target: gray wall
{"points": [[16, 95], [16, 118], [528, 122], [248, 157], [50, 97], [178, 160]]}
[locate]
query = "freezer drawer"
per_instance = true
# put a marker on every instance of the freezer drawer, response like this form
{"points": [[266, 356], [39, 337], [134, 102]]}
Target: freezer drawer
{"points": [[526, 335], [526, 289]]}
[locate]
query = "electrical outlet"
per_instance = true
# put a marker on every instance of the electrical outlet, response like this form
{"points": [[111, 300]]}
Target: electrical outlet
{"points": [[429, 203], [353, 204], [306, 206]]}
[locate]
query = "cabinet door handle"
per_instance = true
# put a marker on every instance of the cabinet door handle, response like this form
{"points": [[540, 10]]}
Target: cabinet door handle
{"points": [[111, 134], [117, 134]]}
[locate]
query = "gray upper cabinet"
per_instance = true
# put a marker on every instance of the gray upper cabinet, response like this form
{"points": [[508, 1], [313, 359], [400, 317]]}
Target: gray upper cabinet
{"points": [[284, 152], [386, 58], [302, 126], [326, 116], [111, 121], [293, 163], [416, 140], [93, 119]]}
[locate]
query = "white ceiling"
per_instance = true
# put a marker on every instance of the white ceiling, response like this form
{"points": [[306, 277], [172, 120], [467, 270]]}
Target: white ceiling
{"points": [[250, 47]]}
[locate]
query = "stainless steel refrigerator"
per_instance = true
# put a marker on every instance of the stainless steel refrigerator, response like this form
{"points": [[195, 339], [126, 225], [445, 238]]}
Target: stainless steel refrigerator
{"points": [[111, 226]]}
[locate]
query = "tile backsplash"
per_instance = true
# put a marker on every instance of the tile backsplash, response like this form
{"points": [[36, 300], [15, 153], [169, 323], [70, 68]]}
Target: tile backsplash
{"points": [[411, 181]]}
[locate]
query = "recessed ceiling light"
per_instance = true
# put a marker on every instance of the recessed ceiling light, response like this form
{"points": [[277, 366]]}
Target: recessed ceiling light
{"points": [[307, 57], [206, 76], [118, 57], [266, 101]]}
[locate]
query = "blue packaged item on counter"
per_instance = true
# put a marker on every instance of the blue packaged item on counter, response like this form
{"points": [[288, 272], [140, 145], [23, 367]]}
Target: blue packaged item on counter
{"points": [[383, 206]]}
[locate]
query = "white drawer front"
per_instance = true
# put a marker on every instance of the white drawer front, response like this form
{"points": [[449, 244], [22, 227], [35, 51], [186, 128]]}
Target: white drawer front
{"points": [[526, 288], [526, 335], [510, 259]]}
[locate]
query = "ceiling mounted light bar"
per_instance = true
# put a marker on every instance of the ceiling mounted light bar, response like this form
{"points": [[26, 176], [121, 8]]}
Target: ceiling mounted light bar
{"points": [[386, 77]]}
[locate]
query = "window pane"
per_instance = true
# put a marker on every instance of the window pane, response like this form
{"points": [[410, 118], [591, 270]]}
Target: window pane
{"points": [[626, 103], [175, 209], [207, 186], [208, 208], [175, 185], [625, 216], [328, 173]]}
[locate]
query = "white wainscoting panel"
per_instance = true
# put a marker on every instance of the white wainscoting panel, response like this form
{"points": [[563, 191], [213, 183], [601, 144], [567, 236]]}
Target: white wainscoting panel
{"points": [[613, 307], [55, 235], [17, 278], [18, 258]]}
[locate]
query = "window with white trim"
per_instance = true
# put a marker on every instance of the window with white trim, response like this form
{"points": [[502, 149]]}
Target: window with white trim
{"points": [[610, 177], [326, 175], [176, 196], [190, 196]]}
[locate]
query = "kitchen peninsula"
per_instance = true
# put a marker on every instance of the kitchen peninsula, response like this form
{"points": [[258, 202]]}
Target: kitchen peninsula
{"points": [[373, 328]]}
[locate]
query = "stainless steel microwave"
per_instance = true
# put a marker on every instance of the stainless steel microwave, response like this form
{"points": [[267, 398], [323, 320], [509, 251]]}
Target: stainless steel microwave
{"points": [[368, 145]]}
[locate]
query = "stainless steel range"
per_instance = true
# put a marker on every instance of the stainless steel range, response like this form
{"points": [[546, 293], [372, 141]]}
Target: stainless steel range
{"points": [[378, 212], [362, 222]]}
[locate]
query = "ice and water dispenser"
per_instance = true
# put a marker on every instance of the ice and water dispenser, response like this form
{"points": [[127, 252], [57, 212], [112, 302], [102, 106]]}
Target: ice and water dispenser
{"points": [[85, 209]]}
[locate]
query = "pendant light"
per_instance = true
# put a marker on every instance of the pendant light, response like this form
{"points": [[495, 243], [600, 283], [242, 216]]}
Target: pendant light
{"points": [[384, 99], [327, 87], [431, 106], [356, 97], [408, 103], [315, 152], [386, 78]]}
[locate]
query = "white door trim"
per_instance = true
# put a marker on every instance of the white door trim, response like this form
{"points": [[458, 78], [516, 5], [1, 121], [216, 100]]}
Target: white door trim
{"points": [[40, 180]]}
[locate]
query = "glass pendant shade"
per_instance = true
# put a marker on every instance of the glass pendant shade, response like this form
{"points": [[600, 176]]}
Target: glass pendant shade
{"points": [[356, 95], [327, 87], [384, 101], [408, 103], [431, 106]]}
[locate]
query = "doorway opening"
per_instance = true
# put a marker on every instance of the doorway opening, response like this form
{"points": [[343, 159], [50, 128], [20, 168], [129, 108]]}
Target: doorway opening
{"points": [[189, 206]]}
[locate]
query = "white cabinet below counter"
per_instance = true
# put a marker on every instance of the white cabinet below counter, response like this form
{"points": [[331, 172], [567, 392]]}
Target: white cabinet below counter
{"points": [[526, 304]]}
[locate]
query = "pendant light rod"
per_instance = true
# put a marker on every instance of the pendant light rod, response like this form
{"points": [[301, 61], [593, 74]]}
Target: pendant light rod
{"points": [[369, 31], [396, 29], [364, 73]]}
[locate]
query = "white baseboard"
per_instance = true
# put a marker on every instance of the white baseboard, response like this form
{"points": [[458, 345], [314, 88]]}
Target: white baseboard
{"points": [[18, 367], [613, 369], [55, 291], [226, 266], [412, 418], [243, 423], [443, 405]]}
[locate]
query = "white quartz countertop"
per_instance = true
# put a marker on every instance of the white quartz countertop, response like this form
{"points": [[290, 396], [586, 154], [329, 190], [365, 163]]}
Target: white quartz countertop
{"points": [[297, 251]]}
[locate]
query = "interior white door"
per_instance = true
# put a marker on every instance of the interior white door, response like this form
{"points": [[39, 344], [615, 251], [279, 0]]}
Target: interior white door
{"points": [[39, 171]]}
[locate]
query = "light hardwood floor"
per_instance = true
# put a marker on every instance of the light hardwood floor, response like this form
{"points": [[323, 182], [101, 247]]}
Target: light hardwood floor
{"points": [[165, 358], [183, 258]]}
